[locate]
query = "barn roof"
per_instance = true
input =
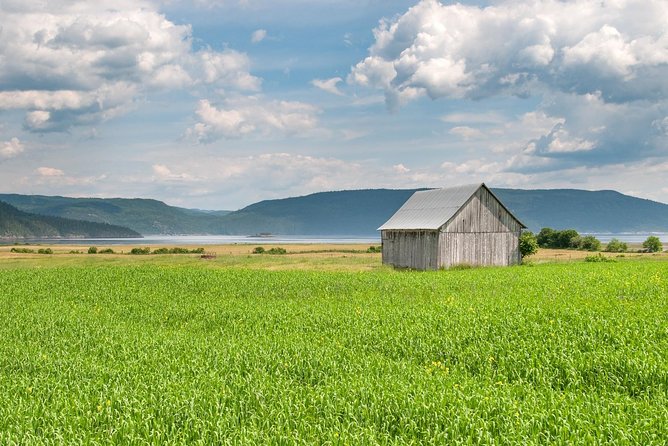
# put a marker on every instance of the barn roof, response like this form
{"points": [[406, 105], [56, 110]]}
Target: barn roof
{"points": [[431, 209]]}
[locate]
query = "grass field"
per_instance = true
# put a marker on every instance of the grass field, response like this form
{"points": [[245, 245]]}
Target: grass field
{"points": [[176, 350]]}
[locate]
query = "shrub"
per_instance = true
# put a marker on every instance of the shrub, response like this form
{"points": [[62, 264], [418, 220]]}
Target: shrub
{"points": [[75, 251], [258, 250], [197, 251], [277, 250], [589, 243], [652, 244], [615, 245], [598, 258], [106, 251], [140, 251], [161, 251], [23, 250], [45, 251], [92, 250], [374, 249], [528, 244]]}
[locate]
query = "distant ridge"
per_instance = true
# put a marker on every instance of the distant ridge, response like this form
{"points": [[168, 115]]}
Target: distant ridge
{"points": [[18, 224], [353, 212], [145, 216]]}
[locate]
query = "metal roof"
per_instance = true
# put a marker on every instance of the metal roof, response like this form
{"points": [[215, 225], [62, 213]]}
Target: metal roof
{"points": [[431, 209]]}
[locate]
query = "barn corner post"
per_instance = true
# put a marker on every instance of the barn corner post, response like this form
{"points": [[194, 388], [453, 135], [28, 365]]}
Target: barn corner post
{"points": [[442, 228]]}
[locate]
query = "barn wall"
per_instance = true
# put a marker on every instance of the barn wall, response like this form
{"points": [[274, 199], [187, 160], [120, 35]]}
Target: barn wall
{"points": [[478, 248], [483, 213], [410, 249]]}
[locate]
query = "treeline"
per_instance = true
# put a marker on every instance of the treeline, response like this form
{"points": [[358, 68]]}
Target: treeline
{"points": [[567, 239]]}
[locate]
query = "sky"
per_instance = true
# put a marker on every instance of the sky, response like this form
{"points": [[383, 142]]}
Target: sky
{"points": [[217, 104]]}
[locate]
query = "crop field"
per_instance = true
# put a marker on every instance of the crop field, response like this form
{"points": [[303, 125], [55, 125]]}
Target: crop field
{"points": [[153, 352]]}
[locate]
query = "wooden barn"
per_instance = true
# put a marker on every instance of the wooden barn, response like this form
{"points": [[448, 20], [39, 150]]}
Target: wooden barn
{"points": [[441, 228]]}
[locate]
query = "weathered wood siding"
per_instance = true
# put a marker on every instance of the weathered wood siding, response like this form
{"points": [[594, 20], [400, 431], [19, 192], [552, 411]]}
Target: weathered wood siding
{"points": [[478, 248], [410, 249], [483, 232], [483, 213]]}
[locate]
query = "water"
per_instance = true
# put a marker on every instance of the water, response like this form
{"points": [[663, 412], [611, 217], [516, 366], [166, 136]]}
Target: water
{"points": [[628, 237], [208, 240]]}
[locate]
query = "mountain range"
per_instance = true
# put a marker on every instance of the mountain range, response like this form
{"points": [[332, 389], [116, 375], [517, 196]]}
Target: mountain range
{"points": [[352, 212]]}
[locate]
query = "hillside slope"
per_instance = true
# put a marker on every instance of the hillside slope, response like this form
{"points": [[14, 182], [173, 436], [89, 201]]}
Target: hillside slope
{"points": [[145, 216], [353, 212], [363, 211], [18, 224]]}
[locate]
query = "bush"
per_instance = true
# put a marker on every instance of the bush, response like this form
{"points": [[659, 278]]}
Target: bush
{"points": [[258, 250], [375, 249], [161, 251], [22, 250], [567, 238], [106, 251], [652, 244], [45, 251], [598, 258], [615, 245], [140, 251], [75, 251], [92, 250], [277, 251], [528, 243]]}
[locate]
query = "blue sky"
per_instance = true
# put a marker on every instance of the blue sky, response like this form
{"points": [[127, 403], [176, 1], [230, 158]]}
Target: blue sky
{"points": [[217, 104]]}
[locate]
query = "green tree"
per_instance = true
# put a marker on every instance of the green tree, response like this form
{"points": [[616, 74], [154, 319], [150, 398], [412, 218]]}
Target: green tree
{"points": [[615, 245], [568, 238], [546, 238], [652, 244], [528, 244], [589, 243]]}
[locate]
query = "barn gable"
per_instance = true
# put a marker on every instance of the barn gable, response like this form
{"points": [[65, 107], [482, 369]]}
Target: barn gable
{"points": [[445, 227]]}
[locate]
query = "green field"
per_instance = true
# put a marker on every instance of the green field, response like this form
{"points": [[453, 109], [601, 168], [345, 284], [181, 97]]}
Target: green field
{"points": [[153, 353]]}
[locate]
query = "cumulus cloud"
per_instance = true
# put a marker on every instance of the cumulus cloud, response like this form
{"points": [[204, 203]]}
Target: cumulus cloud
{"points": [[235, 118], [600, 69], [11, 148], [75, 62], [328, 85], [583, 46], [258, 35]]}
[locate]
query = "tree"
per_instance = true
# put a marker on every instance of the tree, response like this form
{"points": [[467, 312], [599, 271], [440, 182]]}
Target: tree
{"points": [[615, 245], [568, 238], [589, 243], [546, 238], [528, 244], [652, 244]]}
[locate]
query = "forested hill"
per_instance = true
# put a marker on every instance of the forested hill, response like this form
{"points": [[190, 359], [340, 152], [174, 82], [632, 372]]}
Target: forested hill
{"points": [[18, 224], [355, 212], [145, 216], [363, 211]]}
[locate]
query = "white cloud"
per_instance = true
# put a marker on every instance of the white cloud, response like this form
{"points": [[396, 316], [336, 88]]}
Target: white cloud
{"points": [[76, 62], [599, 68], [328, 85], [236, 118], [466, 51], [258, 35], [11, 148], [49, 172], [164, 173], [466, 132]]}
